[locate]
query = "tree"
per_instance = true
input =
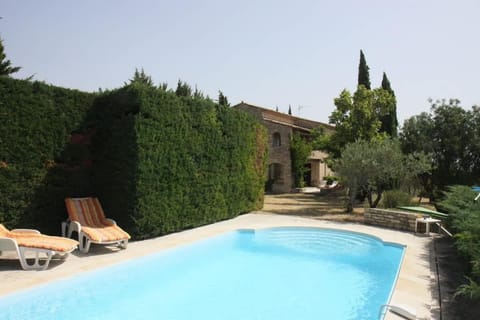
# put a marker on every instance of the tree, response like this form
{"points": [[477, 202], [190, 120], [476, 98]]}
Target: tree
{"points": [[357, 117], [222, 99], [474, 145], [363, 72], [453, 137], [373, 167], [300, 150], [389, 120], [163, 86], [451, 134], [183, 89], [416, 134], [6, 68], [289, 109], [141, 77], [198, 94]]}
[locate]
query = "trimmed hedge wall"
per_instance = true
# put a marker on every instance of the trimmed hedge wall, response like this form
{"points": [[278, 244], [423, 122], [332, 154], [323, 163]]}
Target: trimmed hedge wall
{"points": [[166, 163], [158, 162], [36, 169]]}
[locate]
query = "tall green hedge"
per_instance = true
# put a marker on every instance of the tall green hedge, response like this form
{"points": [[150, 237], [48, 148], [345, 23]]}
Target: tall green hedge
{"points": [[36, 171], [165, 163], [158, 162]]}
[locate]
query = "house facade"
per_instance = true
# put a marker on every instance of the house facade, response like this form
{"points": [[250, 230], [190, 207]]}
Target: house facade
{"points": [[280, 129]]}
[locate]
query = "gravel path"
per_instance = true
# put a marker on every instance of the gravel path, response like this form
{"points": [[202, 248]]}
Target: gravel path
{"points": [[325, 205]]}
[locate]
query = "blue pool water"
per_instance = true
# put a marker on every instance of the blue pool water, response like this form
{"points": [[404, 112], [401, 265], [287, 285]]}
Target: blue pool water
{"points": [[280, 273]]}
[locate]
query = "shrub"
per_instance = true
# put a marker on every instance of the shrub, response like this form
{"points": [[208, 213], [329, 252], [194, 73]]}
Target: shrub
{"points": [[464, 221], [164, 162], [300, 152], [330, 179], [395, 198], [159, 162], [37, 121]]}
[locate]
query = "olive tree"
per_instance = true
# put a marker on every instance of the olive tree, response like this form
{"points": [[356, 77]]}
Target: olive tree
{"points": [[372, 167]]}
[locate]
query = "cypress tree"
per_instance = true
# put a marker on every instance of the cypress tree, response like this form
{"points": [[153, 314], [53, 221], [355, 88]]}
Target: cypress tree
{"points": [[363, 73], [222, 99], [5, 65], [289, 109], [386, 84], [389, 121]]}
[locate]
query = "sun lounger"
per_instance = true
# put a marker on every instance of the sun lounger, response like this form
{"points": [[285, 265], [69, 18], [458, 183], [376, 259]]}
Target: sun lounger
{"points": [[86, 217], [28, 240]]}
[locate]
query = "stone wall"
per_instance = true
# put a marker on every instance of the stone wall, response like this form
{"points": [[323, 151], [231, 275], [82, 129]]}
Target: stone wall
{"points": [[280, 178], [390, 218], [280, 154]]}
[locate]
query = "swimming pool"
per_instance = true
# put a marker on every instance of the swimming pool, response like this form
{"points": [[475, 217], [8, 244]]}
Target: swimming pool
{"points": [[279, 273]]}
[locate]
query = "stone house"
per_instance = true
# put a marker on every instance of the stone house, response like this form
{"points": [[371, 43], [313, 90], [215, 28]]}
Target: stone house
{"points": [[280, 128]]}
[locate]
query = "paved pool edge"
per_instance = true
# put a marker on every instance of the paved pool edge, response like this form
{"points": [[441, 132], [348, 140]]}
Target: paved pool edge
{"points": [[416, 286]]}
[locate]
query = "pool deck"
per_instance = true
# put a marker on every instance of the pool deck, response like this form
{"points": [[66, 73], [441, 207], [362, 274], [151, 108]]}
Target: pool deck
{"points": [[416, 287]]}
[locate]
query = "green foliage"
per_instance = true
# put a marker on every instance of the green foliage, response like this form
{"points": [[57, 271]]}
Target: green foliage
{"points": [[330, 179], [470, 289], [417, 133], [140, 77], [389, 119], [367, 115], [115, 150], [158, 162], [5, 65], [464, 221], [363, 72], [39, 164], [452, 135], [166, 162], [183, 89], [223, 100], [358, 117], [300, 150], [395, 198], [320, 140], [372, 167], [419, 167]]}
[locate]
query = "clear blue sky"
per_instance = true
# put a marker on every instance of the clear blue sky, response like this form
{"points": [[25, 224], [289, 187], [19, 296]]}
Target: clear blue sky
{"points": [[265, 52]]}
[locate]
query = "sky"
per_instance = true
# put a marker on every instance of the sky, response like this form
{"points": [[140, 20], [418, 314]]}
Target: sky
{"points": [[270, 53]]}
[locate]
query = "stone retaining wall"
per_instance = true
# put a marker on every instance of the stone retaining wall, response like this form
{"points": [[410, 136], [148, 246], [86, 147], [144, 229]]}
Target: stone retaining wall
{"points": [[389, 218]]}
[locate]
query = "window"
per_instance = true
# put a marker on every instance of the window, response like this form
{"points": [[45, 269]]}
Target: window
{"points": [[276, 140]]}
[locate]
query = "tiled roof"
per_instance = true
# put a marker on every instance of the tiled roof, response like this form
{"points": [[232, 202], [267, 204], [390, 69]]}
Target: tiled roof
{"points": [[286, 119]]}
